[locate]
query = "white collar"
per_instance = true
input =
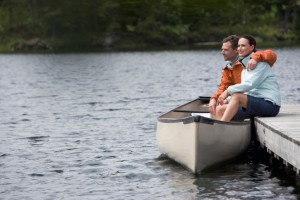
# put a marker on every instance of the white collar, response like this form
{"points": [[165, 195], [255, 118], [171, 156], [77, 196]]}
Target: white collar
{"points": [[230, 64]]}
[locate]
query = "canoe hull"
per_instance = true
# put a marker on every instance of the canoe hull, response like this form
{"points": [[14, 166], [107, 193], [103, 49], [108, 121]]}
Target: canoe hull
{"points": [[198, 142]]}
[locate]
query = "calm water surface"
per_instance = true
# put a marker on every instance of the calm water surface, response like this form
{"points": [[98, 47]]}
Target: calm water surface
{"points": [[82, 126]]}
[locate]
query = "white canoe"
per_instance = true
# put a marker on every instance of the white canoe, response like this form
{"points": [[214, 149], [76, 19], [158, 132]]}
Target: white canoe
{"points": [[189, 136]]}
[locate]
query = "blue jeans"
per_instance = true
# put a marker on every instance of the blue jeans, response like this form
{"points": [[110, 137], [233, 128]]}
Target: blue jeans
{"points": [[257, 107]]}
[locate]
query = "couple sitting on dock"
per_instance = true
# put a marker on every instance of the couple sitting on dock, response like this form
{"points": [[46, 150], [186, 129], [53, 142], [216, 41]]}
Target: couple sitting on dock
{"points": [[248, 79]]}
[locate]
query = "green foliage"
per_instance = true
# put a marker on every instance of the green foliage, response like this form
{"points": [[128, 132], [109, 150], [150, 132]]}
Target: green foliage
{"points": [[109, 23]]}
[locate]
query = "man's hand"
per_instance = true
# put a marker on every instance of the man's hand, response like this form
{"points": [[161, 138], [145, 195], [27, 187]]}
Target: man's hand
{"points": [[251, 64], [212, 106]]}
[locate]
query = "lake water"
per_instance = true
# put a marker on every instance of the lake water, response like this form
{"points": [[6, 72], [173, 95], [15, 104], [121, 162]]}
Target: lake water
{"points": [[82, 126]]}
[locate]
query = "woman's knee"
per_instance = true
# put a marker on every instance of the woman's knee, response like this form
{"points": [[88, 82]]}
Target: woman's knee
{"points": [[237, 96], [240, 98]]}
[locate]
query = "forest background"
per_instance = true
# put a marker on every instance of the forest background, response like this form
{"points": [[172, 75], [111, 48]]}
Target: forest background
{"points": [[89, 25]]}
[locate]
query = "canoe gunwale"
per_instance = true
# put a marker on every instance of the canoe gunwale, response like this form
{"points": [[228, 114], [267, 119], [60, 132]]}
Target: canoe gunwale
{"points": [[201, 119]]}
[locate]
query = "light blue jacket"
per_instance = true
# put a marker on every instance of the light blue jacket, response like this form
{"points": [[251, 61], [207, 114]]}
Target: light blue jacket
{"points": [[260, 82]]}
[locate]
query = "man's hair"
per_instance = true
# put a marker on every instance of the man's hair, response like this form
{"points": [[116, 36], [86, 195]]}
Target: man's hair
{"points": [[233, 39], [251, 40]]}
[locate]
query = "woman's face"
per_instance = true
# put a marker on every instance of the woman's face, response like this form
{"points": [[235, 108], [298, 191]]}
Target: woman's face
{"points": [[244, 49]]}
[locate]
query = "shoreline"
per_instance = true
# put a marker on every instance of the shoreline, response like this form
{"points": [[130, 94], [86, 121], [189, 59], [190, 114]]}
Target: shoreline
{"points": [[133, 48]]}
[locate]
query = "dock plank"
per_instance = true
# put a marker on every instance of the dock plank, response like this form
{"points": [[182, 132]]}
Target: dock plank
{"points": [[281, 134]]}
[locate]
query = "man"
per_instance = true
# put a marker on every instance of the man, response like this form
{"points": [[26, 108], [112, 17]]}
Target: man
{"points": [[231, 73]]}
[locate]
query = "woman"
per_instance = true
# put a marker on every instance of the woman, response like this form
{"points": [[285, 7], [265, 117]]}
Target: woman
{"points": [[258, 94]]}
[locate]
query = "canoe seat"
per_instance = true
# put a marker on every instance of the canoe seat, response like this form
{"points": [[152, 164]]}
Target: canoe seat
{"points": [[207, 115]]}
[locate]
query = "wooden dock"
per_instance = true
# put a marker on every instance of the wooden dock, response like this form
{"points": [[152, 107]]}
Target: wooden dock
{"points": [[281, 135]]}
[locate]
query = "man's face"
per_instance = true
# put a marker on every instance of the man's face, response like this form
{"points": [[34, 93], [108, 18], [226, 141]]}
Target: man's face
{"points": [[228, 53]]}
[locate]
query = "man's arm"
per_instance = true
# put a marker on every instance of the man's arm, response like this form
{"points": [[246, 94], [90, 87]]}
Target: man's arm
{"points": [[267, 56], [224, 84]]}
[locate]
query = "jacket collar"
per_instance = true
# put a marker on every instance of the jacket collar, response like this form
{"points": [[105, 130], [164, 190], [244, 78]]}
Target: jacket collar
{"points": [[245, 60], [230, 64]]}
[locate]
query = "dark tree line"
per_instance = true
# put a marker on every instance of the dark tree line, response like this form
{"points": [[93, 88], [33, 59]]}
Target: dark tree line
{"points": [[115, 23]]}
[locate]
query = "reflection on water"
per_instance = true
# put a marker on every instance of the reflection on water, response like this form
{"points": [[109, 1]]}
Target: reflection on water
{"points": [[82, 126]]}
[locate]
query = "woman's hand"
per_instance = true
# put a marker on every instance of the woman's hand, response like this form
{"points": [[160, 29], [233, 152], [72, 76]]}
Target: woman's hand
{"points": [[222, 97]]}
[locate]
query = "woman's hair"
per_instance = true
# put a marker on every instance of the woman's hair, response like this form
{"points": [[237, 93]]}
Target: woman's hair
{"points": [[251, 40], [233, 39]]}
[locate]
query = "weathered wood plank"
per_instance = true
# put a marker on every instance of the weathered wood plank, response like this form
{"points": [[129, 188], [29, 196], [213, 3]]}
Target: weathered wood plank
{"points": [[281, 134]]}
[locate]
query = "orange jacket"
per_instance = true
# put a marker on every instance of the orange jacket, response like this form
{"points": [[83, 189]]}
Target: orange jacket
{"points": [[233, 76]]}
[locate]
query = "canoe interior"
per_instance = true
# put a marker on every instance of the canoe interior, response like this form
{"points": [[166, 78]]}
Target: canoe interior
{"points": [[195, 111], [199, 105]]}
